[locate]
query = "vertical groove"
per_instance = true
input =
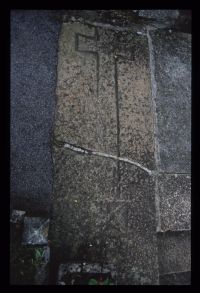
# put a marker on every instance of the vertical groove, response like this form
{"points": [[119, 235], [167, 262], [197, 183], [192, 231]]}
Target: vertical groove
{"points": [[97, 60], [156, 152], [118, 129], [97, 68]]}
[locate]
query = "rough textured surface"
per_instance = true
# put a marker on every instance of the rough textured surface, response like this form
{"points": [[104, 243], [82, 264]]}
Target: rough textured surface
{"points": [[172, 54], [85, 115], [174, 251], [34, 41], [159, 14], [93, 222], [175, 201], [104, 210], [136, 137], [84, 177], [104, 100], [134, 251], [178, 20], [181, 278]]}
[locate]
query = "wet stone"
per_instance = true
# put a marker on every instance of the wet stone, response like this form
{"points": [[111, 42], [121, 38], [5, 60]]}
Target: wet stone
{"points": [[174, 252], [175, 202], [172, 54], [35, 231]]}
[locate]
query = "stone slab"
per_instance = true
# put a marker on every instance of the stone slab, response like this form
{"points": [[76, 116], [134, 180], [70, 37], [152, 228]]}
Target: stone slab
{"points": [[181, 278], [85, 115], [94, 221], [34, 41], [104, 210], [104, 92], [135, 253], [174, 252], [82, 182], [174, 193], [172, 54], [83, 177], [136, 118]]}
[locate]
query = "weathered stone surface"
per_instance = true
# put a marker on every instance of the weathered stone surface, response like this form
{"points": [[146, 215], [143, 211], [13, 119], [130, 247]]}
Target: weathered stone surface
{"points": [[159, 14], [174, 193], [86, 108], [104, 100], [136, 118], [35, 231], [84, 177], [174, 252], [80, 182], [95, 221], [172, 53], [134, 253], [104, 210], [181, 278]]}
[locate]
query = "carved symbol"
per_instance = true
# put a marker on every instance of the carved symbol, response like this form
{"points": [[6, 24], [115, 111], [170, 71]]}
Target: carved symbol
{"points": [[94, 40]]}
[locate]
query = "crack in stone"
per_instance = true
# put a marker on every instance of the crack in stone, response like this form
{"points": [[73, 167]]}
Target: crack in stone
{"points": [[85, 151]]}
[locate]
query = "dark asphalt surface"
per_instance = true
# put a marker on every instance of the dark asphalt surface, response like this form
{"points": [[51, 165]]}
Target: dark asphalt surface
{"points": [[34, 44]]}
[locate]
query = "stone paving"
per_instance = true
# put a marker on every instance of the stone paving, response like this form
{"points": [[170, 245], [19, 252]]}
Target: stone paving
{"points": [[121, 154], [122, 148]]}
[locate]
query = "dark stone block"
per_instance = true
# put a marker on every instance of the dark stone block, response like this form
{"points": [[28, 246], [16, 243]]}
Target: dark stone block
{"points": [[172, 54], [34, 41], [174, 193], [174, 252], [180, 278]]}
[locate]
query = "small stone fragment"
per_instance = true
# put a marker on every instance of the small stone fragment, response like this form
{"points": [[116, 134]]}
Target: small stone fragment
{"points": [[35, 231], [17, 216]]}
